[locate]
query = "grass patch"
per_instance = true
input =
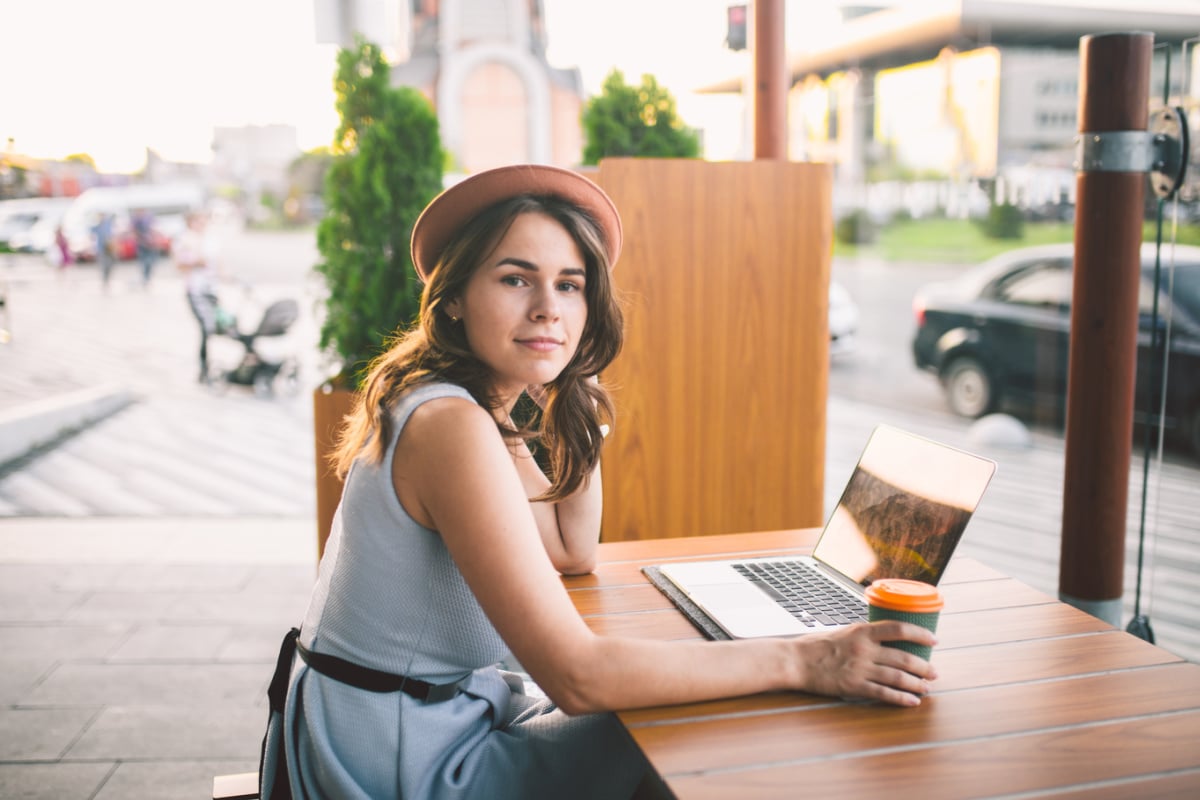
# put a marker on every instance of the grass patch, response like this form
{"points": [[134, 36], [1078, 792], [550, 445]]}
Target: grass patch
{"points": [[955, 241]]}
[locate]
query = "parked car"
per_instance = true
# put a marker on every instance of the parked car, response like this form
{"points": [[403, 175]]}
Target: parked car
{"points": [[19, 218], [998, 336]]}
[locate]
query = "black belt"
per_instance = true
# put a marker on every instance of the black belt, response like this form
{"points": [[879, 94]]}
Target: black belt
{"points": [[374, 680]]}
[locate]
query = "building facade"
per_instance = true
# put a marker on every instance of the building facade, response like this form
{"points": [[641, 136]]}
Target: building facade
{"points": [[966, 93], [483, 65]]}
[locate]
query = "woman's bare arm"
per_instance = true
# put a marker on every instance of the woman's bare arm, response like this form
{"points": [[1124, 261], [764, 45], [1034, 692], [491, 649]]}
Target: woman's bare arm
{"points": [[458, 478]]}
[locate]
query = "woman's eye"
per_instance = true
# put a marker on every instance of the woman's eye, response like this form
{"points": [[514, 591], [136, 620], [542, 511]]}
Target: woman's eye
{"points": [[513, 280], [570, 286]]}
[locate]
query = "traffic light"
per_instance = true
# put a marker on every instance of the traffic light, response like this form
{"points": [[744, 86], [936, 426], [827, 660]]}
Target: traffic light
{"points": [[735, 37]]}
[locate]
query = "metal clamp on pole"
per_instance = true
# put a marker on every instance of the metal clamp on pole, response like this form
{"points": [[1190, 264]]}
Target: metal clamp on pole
{"points": [[1161, 151]]}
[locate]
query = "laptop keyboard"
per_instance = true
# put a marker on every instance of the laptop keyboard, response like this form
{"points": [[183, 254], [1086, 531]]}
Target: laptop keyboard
{"points": [[804, 592]]}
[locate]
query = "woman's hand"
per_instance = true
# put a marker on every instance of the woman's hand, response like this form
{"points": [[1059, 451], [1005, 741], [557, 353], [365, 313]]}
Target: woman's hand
{"points": [[853, 663]]}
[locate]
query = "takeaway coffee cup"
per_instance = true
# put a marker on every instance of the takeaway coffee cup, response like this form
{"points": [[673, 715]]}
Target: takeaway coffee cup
{"points": [[908, 601]]}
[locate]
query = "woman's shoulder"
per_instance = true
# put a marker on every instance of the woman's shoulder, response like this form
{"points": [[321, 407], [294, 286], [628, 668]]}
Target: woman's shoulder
{"points": [[423, 394], [445, 420], [437, 402]]}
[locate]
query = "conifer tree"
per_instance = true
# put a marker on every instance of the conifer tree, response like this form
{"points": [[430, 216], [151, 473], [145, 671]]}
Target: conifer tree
{"points": [[387, 166]]}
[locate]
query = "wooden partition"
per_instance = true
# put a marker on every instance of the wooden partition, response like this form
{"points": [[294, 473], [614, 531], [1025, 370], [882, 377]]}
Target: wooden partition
{"points": [[721, 387]]}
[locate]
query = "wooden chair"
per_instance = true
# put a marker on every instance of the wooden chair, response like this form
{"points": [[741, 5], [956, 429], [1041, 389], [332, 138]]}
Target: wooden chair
{"points": [[242, 786]]}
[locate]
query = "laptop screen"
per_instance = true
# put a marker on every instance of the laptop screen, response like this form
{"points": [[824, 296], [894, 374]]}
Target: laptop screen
{"points": [[904, 508]]}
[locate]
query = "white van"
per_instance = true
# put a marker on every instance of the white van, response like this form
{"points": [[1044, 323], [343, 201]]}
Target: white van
{"points": [[168, 203], [19, 219]]}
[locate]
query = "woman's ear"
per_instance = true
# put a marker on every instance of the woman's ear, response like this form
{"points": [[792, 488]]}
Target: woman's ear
{"points": [[453, 309]]}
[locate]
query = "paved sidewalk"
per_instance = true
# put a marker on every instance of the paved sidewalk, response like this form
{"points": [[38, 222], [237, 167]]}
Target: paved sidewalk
{"points": [[135, 653]]}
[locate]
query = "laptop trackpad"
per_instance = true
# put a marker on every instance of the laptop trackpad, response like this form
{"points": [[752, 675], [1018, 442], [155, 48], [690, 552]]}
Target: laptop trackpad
{"points": [[730, 595], [746, 612]]}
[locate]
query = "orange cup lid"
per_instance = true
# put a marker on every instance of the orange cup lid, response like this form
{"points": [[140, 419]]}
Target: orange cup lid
{"points": [[915, 597]]}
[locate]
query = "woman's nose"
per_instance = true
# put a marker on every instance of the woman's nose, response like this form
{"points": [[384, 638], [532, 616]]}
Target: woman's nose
{"points": [[545, 305]]}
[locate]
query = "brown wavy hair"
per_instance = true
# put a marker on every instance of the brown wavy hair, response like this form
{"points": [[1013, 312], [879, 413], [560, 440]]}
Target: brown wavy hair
{"points": [[435, 349]]}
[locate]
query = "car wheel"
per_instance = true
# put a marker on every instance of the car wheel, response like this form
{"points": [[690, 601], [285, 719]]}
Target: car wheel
{"points": [[969, 389]]}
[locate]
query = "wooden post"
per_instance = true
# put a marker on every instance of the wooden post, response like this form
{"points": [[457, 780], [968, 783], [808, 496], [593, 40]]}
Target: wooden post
{"points": [[770, 81], [1114, 95]]}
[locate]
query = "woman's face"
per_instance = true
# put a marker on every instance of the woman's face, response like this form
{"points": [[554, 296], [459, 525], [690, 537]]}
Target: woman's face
{"points": [[525, 307]]}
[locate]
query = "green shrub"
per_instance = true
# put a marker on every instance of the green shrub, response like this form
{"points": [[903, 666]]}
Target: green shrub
{"points": [[855, 228], [1004, 221]]}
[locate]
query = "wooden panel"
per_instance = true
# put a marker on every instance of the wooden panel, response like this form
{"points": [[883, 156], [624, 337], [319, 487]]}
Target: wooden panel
{"points": [[666, 625], [1015, 624], [730, 742], [988, 767], [721, 388], [1040, 659], [589, 602], [1175, 786]]}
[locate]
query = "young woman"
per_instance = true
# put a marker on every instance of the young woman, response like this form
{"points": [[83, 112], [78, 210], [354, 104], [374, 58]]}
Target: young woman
{"points": [[447, 548]]}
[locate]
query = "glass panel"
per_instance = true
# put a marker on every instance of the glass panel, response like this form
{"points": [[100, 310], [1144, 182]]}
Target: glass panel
{"points": [[1167, 399], [954, 208]]}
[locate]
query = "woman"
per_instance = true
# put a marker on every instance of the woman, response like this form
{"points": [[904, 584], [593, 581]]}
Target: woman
{"points": [[447, 547]]}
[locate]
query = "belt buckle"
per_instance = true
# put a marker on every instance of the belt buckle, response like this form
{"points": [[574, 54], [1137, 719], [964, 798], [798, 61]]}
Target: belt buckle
{"points": [[445, 691]]}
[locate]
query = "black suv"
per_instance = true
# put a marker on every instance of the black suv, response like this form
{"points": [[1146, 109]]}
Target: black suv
{"points": [[997, 336]]}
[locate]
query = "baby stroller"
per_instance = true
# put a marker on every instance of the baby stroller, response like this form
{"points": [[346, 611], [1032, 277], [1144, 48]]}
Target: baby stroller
{"points": [[264, 375]]}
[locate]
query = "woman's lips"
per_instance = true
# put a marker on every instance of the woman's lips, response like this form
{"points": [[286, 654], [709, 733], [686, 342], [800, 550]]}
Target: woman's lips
{"points": [[542, 344]]}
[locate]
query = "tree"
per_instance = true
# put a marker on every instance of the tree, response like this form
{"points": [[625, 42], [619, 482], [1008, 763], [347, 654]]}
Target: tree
{"points": [[387, 166], [625, 120]]}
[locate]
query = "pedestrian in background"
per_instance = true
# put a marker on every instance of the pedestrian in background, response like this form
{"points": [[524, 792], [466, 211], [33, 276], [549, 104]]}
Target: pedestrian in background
{"points": [[103, 233], [65, 259], [196, 257], [143, 236]]}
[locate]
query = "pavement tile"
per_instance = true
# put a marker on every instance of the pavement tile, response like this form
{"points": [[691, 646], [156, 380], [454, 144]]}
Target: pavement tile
{"points": [[185, 577], [187, 685], [60, 781], [20, 674], [41, 734], [26, 578], [172, 642], [169, 780], [61, 642], [44, 606], [139, 733], [284, 610]]}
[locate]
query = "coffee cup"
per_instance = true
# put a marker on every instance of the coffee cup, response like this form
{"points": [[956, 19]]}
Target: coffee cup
{"points": [[907, 601]]}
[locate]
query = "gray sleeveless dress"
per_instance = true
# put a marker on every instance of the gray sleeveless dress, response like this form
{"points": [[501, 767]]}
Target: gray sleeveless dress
{"points": [[389, 596]]}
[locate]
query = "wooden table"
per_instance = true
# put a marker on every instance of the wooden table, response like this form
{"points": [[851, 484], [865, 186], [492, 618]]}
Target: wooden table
{"points": [[1034, 697]]}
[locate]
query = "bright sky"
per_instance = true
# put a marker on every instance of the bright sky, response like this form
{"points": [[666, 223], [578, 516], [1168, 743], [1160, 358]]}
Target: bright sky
{"points": [[111, 77]]}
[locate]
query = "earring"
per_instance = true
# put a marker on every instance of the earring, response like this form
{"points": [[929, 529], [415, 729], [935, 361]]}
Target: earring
{"points": [[453, 318]]}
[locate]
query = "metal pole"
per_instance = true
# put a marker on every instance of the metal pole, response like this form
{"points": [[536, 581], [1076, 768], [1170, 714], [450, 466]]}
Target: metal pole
{"points": [[1114, 96], [771, 81]]}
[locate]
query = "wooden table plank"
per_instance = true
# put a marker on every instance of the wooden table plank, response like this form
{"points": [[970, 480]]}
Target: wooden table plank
{"points": [[698, 744], [1061, 757], [993, 626], [1174, 786], [666, 624], [1044, 659]]}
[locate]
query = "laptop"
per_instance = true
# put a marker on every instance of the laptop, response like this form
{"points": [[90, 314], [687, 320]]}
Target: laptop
{"points": [[901, 515]]}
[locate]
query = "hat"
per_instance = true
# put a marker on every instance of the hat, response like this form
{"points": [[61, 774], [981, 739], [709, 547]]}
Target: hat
{"points": [[454, 207]]}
